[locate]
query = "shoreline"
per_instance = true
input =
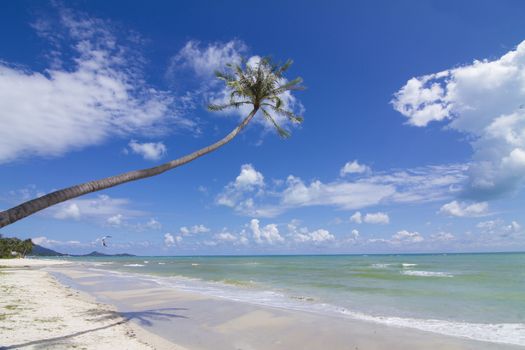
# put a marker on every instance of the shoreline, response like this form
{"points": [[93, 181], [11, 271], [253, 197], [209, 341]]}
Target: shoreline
{"points": [[163, 316], [205, 321]]}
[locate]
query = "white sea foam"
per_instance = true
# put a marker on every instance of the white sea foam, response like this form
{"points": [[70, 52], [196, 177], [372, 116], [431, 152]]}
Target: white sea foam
{"points": [[133, 265], [146, 261], [426, 273], [194, 264], [506, 333], [161, 263], [408, 265]]}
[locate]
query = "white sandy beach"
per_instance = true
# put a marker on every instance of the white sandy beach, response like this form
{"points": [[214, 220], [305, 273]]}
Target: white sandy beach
{"points": [[37, 312], [154, 316]]}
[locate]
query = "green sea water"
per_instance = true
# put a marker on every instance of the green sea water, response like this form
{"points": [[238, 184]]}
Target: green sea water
{"points": [[480, 296]]}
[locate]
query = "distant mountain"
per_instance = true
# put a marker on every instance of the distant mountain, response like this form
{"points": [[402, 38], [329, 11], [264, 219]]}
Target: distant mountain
{"points": [[95, 253], [41, 251]]}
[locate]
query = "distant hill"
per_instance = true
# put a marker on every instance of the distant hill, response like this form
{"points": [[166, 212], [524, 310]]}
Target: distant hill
{"points": [[41, 251], [95, 253]]}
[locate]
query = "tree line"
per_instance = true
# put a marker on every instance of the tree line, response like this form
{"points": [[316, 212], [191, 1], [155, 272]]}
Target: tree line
{"points": [[14, 247]]}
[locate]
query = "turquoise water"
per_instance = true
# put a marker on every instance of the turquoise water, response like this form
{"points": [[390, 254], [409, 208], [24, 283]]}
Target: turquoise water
{"points": [[480, 296]]}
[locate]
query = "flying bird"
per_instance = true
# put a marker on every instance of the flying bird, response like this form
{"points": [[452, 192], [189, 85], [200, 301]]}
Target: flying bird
{"points": [[104, 240]]}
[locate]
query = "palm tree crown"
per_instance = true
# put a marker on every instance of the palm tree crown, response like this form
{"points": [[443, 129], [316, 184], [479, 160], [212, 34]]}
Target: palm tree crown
{"points": [[260, 85]]}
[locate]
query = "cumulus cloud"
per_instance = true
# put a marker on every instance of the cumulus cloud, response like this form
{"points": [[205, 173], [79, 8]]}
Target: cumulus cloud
{"points": [[249, 181], [268, 234], [195, 229], [376, 218], [115, 220], [356, 217], [416, 185], [169, 240], [81, 100], [460, 209], [148, 150], [353, 168], [484, 100], [405, 236], [370, 218], [316, 236]]}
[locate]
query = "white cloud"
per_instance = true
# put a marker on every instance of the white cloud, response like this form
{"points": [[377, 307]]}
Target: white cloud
{"points": [[103, 208], [376, 218], [346, 195], [484, 100], [50, 243], [68, 211], [195, 229], [303, 235], [418, 185], [153, 224], [148, 150], [115, 220], [356, 217], [204, 61], [249, 178], [353, 168], [355, 234], [316, 236], [370, 218], [267, 234], [442, 237], [225, 237], [405, 236], [499, 227], [169, 240], [98, 95], [460, 209]]}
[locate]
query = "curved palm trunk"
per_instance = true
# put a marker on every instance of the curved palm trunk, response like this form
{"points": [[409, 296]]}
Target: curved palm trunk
{"points": [[30, 207]]}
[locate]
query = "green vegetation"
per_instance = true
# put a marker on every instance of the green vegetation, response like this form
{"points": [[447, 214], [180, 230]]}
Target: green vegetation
{"points": [[14, 247]]}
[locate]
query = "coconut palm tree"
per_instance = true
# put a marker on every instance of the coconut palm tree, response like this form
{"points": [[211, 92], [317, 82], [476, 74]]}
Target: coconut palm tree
{"points": [[258, 85]]}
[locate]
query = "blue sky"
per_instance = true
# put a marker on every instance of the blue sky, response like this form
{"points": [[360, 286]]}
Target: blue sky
{"points": [[413, 140]]}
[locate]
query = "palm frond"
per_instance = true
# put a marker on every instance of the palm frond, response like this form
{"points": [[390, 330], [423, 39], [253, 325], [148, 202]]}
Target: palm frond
{"points": [[260, 84], [282, 132]]}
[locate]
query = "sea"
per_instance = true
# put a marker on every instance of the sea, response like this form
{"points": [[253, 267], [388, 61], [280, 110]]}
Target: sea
{"points": [[476, 296]]}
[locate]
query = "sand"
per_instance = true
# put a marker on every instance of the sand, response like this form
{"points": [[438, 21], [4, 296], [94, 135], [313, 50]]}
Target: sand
{"points": [[37, 312]]}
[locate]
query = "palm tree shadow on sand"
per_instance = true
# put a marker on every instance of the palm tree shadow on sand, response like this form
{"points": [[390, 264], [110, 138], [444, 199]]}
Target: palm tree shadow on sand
{"points": [[143, 318]]}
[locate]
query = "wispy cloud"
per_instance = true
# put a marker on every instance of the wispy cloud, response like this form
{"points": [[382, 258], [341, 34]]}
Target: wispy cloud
{"points": [[81, 100], [418, 185]]}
